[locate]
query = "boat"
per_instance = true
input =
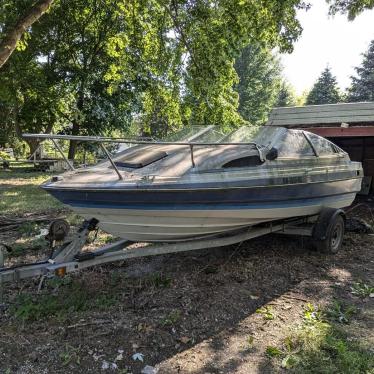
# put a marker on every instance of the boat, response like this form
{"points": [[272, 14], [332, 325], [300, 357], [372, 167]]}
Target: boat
{"points": [[204, 183]]}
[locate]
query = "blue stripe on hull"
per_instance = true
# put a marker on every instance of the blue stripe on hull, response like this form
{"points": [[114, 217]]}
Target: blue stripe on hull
{"points": [[275, 205], [239, 198]]}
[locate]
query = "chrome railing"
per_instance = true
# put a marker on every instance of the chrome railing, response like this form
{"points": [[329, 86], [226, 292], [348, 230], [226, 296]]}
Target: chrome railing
{"points": [[101, 140]]}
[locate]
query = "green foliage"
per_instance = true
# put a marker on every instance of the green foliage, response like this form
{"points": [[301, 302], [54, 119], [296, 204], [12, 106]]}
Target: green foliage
{"points": [[325, 90], [338, 312], [362, 290], [72, 296], [93, 66], [266, 312], [69, 355], [350, 7], [362, 85], [286, 96], [259, 83], [28, 228], [320, 346], [159, 280], [273, 351], [22, 192], [4, 156], [32, 244], [172, 318]]}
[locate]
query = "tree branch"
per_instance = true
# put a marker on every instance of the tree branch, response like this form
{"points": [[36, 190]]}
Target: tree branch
{"points": [[9, 42]]}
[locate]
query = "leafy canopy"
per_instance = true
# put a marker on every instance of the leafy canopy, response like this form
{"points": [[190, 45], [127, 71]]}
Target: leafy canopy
{"points": [[350, 7], [160, 64]]}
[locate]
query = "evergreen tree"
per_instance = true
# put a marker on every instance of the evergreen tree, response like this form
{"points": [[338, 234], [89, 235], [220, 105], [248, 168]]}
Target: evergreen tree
{"points": [[362, 88], [325, 90], [286, 96], [259, 83]]}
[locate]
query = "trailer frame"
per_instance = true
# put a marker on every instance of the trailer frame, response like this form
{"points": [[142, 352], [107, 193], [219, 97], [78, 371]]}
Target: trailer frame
{"points": [[69, 256]]}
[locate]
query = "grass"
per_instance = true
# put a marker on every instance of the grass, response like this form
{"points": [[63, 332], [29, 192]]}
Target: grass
{"points": [[320, 345], [63, 296], [20, 192], [23, 245]]}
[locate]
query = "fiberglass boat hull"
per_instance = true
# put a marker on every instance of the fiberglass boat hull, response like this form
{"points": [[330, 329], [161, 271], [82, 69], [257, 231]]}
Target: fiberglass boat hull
{"points": [[156, 214]]}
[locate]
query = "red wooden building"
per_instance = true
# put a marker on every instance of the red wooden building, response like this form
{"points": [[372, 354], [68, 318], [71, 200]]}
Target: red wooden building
{"points": [[349, 125]]}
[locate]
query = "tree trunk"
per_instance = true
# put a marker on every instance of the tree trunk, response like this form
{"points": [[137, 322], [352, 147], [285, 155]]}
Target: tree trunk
{"points": [[76, 124], [11, 38], [73, 143], [33, 145]]}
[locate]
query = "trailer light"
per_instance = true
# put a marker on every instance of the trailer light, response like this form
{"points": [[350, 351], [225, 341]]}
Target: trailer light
{"points": [[61, 272]]}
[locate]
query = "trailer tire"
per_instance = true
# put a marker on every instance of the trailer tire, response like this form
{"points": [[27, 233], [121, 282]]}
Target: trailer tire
{"points": [[328, 232]]}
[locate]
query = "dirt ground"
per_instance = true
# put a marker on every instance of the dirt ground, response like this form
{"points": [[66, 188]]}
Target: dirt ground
{"points": [[192, 312]]}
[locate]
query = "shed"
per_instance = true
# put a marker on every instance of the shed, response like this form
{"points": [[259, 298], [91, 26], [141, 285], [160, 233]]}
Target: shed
{"points": [[349, 125]]}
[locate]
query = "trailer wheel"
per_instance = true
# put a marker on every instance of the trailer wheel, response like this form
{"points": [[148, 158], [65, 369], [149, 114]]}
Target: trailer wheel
{"points": [[328, 232]]}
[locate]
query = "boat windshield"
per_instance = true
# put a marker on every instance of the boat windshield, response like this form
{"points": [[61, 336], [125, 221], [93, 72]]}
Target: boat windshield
{"points": [[261, 135], [198, 134], [289, 143]]}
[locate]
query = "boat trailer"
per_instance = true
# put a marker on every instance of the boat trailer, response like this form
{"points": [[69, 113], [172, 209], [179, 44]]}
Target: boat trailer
{"points": [[325, 229]]}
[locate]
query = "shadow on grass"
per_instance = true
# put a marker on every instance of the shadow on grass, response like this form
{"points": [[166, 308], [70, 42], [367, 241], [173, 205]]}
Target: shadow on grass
{"points": [[201, 298], [26, 198]]}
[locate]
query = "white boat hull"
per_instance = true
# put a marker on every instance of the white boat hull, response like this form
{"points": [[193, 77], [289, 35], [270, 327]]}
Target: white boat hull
{"points": [[173, 225]]}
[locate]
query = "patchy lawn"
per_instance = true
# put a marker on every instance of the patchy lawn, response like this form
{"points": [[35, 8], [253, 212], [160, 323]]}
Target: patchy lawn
{"points": [[269, 305], [20, 192]]}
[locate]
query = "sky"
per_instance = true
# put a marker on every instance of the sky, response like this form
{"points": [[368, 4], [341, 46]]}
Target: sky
{"points": [[327, 40]]}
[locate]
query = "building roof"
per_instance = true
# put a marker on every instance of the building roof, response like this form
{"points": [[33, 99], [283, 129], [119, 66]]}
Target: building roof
{"points": [[355, 114]]}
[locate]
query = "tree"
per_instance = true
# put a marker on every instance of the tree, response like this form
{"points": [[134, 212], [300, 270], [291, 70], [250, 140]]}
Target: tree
{"points": [[350, 7], [325, 90], [161, 63], [362, 87], [13, 34], [259, 83], [204, 41], [31, 100], [286, 96]]}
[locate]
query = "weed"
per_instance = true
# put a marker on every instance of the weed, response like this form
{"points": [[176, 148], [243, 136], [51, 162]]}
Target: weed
{"points": [[159, 280], [71, 296], [57, 282], [70, 354], [28, 228], [74, 219], [106, 301], [267, 312], [340, 313], [312, 314], [319, 346], [172, 318], [273, 351], [21, 246], [250, 342], [362, 290], [290, 361]]}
